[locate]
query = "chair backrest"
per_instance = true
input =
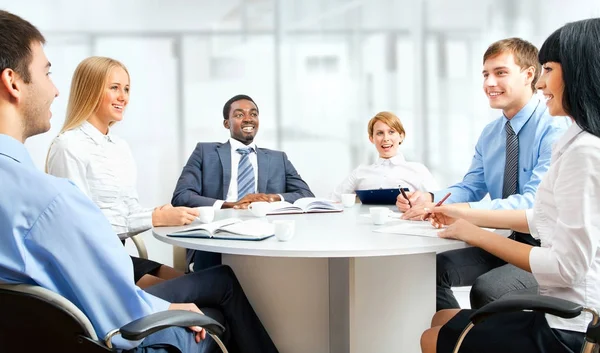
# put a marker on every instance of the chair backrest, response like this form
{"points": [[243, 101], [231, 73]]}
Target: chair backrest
{"points": [[32, 316]]}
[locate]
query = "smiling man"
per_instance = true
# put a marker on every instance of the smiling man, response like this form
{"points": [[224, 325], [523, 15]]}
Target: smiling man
{"points": [[236, 173], [511, 157]]}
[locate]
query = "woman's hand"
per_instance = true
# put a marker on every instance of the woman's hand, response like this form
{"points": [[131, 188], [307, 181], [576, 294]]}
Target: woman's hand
{"points": [[167, 215], [460, 230], [444, 215]]}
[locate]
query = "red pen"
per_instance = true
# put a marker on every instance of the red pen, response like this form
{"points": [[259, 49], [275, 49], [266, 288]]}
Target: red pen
{"points": [[404, 195], [428, 214]]}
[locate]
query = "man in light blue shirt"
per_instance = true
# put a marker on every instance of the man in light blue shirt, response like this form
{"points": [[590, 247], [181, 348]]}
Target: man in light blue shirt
{"points": [[54, 236], [511, 157]]}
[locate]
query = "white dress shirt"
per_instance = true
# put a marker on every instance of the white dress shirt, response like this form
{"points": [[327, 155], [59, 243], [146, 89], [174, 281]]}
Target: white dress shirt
{"points": [[232, 193], [566, 219], [102, 166], [387, 174]]}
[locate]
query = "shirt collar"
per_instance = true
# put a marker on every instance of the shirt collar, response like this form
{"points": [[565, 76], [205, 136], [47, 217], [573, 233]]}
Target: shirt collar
{"points": [[396, 160], [572, 132], [519, 120], [235, 144], [14, 149], [95, 134]]}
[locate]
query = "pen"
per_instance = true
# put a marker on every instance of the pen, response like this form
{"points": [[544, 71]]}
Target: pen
{"points": [[428, 214], [404, 195]]}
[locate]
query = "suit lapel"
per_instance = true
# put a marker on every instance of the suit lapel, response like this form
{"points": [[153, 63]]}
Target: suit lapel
{"points": [[224, 152], [263, 169]]}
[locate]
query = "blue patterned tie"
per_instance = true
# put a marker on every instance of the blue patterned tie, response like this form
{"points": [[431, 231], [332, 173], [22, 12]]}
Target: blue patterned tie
{"points": [[511, 166], [245, 173]]}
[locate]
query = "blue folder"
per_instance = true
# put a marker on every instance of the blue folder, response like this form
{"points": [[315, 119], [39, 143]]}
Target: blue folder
{"points": [[379, 196]]}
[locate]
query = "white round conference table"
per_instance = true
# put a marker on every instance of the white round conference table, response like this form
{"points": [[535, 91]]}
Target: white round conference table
{"points": [[336, 286]]}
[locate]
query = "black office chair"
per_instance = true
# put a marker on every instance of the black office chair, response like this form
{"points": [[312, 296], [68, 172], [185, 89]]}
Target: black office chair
{"points": [[33, 318], [549, 305]]}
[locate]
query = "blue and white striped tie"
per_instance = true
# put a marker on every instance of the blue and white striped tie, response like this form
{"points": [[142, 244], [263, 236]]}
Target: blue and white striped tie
{"points": [[245, 173]]}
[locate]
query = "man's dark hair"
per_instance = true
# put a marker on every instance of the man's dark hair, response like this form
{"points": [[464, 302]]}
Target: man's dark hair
{"points": [[16, 36], [239, 97], [575, 47]]}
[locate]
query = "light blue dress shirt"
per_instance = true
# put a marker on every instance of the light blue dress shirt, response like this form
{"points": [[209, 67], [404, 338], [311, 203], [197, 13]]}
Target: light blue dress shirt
{"points": [[54, 236], [537, 132]]}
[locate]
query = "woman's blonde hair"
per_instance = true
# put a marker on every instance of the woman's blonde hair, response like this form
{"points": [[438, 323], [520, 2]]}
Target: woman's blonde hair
{"points": [[387, 118], [87, 89]]}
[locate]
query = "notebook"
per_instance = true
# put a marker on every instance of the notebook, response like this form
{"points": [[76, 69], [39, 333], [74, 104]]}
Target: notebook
{"points": [[305, 205], [419, 228], [230, 228], [379, 196]]}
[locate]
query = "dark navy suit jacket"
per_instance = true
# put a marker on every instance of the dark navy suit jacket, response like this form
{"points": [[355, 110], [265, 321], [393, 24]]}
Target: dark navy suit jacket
{"points": [[207, 173]]}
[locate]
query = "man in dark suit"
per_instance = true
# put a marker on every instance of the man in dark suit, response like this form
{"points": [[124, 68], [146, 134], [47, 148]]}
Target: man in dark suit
{"points": [[236, 173]]}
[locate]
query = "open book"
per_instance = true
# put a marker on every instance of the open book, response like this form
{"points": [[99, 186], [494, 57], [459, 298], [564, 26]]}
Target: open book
{"points": [[305, 205], [230, 228]]}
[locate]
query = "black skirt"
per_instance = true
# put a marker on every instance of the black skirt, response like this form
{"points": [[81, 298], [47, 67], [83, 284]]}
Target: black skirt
{"points": [[142, 267], [511, 332]]}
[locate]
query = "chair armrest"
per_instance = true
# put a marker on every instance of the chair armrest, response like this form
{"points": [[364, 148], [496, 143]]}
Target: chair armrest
{"points": [[549, 305], [140, 246], [147, 325]]}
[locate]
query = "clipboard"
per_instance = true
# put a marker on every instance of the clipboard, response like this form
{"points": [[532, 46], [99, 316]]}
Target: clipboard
{"points": [[379, 196]]}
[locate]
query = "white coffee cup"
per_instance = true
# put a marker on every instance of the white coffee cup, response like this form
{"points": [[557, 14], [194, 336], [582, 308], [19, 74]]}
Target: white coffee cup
{"points": [[348, 200], [379, 215], [284, 229], [259, 208], [207, 214]]}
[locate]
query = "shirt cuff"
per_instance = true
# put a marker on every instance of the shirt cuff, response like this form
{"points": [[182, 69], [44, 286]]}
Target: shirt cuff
{"points": [[438, 195], [147, 222], [159, 304], [481, 205], [544, 270], [218, 204], [532, 229], [281, 196]]}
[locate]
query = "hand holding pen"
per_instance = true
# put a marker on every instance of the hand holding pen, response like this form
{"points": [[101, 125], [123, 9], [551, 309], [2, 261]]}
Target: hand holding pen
{"points": [[428, 214], [404, 195]]}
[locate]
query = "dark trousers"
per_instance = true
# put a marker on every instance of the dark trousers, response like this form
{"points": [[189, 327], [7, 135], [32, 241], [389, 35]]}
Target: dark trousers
{"points": [[218, 288], [202, 259], [489, 276]]}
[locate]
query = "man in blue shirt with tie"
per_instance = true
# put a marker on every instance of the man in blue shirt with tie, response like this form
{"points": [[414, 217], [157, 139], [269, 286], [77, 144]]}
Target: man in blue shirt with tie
{"points": [[511, 157], [55, 237], [236, 173]]}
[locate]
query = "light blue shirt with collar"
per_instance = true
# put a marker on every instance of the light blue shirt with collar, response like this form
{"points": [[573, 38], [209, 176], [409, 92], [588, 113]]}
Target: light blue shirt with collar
{"points": [[54, 236], [537, 132]]}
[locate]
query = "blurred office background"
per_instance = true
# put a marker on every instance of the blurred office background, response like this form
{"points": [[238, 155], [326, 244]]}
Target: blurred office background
{"points": [[318, 70]]}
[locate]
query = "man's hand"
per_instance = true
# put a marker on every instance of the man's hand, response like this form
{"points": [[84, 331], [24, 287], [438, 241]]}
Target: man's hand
{"points": [[248, 199], [167, 215], [199, 332], [418, 212], [416, 198]]}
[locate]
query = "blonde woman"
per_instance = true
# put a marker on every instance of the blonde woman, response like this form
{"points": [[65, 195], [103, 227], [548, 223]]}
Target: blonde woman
{"points": [[101, 164], [390, 169]]}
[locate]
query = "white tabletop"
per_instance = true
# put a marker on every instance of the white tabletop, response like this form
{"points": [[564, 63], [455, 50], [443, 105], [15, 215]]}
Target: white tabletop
{"points": [[343, 234]]}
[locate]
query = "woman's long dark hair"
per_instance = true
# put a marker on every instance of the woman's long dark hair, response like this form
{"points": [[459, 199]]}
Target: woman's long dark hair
{"points": [[576, 46]]}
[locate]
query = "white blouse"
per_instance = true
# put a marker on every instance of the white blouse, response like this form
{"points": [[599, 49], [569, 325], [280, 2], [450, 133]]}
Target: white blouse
{"points": [[566, 219], [386, 174], [102, 166]]}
